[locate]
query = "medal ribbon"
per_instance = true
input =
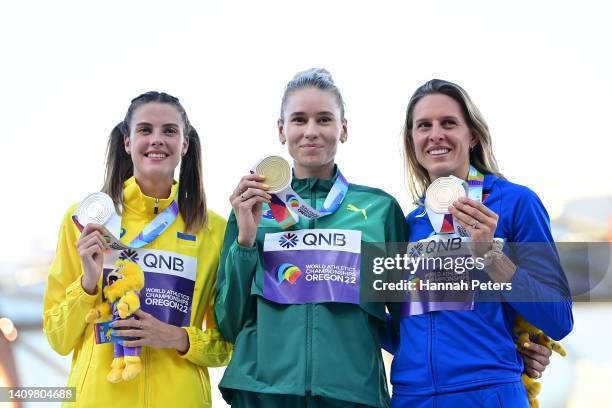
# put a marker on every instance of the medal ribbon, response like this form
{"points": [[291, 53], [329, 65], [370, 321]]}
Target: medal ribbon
{"points": [[287, 206], [156, 227]]}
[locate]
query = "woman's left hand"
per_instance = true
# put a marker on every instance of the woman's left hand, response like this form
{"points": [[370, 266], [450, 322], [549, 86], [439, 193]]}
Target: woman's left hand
{"points": [[536, 358], [151, 332], [479, 221]]}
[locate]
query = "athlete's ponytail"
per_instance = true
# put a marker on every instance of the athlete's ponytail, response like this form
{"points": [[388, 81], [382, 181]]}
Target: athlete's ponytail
{"points": [[119, 166], [192, 199]]}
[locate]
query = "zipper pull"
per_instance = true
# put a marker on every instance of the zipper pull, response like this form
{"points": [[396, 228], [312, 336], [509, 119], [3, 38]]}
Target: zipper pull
{"points": [[156, 208]]}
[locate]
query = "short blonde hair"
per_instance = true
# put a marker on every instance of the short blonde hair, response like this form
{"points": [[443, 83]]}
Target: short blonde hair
{"points": [[318, 78]]}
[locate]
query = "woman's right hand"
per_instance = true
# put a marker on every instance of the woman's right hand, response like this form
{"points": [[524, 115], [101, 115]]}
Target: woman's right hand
{"points": [[91, 247], [247, 201]]}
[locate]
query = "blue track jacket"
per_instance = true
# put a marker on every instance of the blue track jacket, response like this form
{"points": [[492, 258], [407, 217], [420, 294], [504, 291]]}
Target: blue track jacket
{"points": [[451, 351]]}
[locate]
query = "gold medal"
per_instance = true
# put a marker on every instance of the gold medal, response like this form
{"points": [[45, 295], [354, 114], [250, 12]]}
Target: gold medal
{"points": [[277, 172]]}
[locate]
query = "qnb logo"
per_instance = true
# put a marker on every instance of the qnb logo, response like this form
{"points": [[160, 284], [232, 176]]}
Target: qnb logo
{"points": [[288, 272], [325, 239], [416, 250], [288, 240], [129, 255], [292, 201]]}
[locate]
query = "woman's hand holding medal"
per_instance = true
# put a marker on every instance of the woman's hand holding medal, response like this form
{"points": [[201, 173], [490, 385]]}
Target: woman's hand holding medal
{"points": [[247, 201], [478, 220], [481, 222], [91, 247]]}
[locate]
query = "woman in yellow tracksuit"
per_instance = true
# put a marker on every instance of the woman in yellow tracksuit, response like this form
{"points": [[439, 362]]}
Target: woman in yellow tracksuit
{"points": [[143, 152]]}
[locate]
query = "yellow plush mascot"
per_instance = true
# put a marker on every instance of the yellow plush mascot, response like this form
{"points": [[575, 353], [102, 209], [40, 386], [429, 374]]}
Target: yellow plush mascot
{"points": [[123, 285], [525, 332]]}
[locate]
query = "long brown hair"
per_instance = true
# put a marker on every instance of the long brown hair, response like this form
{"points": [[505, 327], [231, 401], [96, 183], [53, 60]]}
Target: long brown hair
{"points": [[481, 156], [119, 166]]}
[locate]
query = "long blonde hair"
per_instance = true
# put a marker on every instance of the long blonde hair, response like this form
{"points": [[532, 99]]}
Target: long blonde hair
{"points": [[481, 156]]}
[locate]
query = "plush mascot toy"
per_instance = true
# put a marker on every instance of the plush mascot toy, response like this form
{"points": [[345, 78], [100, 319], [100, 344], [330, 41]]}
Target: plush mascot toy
{"points": [[122, 289], [525, 332]]}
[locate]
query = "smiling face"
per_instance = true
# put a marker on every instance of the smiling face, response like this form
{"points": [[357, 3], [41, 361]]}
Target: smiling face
{"points": [[156, 141], [312, 126], [442, 138]]}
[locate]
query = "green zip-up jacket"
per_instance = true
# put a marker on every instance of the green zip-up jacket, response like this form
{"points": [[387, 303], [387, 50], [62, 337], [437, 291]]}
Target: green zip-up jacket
{"points": [[326, 349]]}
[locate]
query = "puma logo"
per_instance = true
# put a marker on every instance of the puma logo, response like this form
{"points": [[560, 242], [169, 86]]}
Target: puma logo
{"points": [[363, 211]]}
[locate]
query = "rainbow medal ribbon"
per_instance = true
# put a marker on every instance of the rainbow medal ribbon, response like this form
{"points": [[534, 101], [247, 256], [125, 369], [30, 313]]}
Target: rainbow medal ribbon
{"points": [[157, 226], [443, 192], [99, 208], [286, 205]]}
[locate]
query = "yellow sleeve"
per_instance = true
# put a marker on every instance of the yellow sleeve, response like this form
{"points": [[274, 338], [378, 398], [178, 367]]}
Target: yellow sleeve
{"points": [[209, 348], [65, 301]]}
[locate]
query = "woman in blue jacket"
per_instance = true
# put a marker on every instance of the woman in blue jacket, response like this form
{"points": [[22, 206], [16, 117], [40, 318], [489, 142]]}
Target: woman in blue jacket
{"points": [[462, 353]]}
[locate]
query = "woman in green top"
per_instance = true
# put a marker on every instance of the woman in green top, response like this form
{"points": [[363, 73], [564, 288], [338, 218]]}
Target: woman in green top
{"points": [[303, 353], [315, 353]]}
